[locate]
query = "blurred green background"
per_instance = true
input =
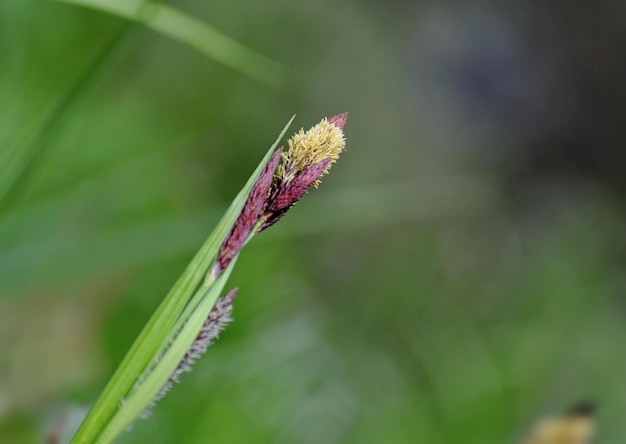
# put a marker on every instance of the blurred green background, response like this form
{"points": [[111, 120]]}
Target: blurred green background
{"points": [[459, 274]]}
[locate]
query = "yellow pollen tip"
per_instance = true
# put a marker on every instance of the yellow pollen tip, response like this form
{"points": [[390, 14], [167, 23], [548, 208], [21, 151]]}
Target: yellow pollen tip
{"points": [[306, 148]]}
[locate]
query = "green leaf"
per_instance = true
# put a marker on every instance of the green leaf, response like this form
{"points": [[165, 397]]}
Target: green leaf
{"points": [[158, 328], [18, 157], [195, 33]]}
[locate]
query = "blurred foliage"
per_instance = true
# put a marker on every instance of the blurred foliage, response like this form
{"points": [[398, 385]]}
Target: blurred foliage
{"points": [[423, 294]]}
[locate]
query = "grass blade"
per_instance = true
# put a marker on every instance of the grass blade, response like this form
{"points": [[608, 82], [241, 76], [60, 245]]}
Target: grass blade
{"points": [[20, 157], [195, 33]]}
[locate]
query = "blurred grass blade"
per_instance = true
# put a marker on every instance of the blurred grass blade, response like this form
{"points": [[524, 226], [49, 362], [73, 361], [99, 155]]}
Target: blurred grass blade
{"points": [[158, 327], [195, 33], [17, 158]]}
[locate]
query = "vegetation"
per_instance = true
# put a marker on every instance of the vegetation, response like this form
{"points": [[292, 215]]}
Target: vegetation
{"points": [[417, 296]]}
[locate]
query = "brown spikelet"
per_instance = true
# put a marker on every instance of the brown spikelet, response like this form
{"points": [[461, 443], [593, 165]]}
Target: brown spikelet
{"points": [[217, 320], [249, 216], [288, 193]]}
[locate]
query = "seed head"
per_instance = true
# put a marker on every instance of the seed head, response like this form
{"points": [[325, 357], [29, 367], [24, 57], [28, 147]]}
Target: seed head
{"points": [[217, 320], [287, 176], [306, 148], [248, 217], [309, 157]]}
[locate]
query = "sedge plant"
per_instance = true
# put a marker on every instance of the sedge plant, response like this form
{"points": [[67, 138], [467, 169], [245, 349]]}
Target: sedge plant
{"points": [[192, 313]]}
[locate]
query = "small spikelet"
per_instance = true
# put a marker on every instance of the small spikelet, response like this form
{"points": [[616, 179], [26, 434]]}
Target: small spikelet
{"points": [[288, 193], [339, 120], [215, 323], [323, 141], [249, 215]]}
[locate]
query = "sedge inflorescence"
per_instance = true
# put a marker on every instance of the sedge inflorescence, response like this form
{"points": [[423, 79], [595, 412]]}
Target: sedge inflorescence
{"points": [[218, 319], [287, 176]]}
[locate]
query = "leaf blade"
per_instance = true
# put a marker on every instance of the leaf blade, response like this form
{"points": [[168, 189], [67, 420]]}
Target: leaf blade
{"points": [[195, 33]]}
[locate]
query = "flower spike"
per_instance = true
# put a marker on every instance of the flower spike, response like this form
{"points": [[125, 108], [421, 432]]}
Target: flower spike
{"points": [[215, 323], [284, 180], [309, 157]]}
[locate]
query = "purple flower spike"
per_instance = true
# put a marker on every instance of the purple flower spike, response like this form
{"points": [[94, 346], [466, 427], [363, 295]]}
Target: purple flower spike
{"points": [[309, 157], [288, 193], [249, 216]]}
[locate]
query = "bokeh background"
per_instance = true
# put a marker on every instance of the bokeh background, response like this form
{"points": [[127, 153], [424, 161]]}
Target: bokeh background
{"points": [[458, 275]]}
